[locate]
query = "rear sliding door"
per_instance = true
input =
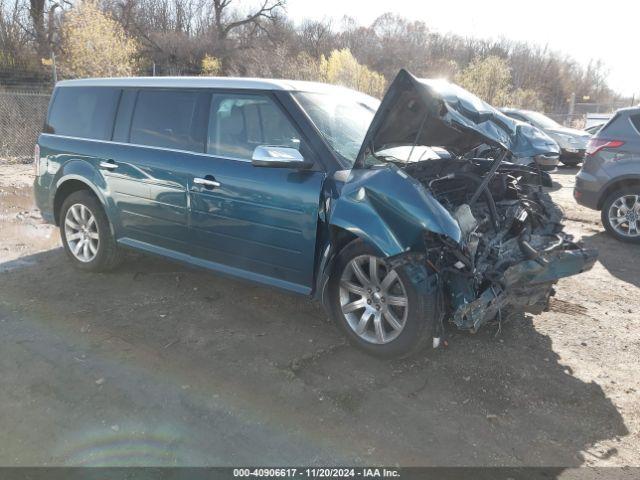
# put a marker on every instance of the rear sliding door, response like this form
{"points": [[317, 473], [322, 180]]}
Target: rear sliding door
{"points": [[158, 133]]}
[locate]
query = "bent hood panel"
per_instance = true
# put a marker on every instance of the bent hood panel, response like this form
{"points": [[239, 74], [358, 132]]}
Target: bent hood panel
{"points": [[435, 113], [531, 141]]}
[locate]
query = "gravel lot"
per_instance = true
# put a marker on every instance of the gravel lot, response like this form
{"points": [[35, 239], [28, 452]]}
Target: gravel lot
{"points": [[160, 364]]}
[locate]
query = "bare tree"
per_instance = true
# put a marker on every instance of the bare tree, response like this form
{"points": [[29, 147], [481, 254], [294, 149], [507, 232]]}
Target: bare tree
{"points": [[226, 22], [317, 37], [259, 40], [13, 38], [43, 15]]}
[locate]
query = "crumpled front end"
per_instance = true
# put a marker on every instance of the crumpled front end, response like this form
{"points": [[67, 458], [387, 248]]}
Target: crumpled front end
{"points": [[488, 231], [513, 248]]}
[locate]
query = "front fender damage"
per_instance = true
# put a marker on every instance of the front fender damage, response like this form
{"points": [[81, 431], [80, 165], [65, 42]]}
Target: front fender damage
{"points": [[502, 254], [390, 210]]}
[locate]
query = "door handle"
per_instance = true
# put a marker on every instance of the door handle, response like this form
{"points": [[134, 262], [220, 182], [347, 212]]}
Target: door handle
{"points": [[109, 165], [206, 182]]}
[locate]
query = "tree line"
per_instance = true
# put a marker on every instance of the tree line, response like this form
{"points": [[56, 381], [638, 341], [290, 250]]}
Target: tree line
{"points": [[231, 37]]}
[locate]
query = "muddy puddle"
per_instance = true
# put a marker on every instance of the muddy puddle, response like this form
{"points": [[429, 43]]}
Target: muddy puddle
{"points": [[22, 230]]}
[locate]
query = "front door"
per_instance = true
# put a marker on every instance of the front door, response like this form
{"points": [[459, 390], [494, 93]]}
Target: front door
{"points": [[256, 222]]}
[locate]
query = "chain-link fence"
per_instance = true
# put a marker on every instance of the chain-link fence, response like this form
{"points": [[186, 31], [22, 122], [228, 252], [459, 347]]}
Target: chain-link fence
{"points": [[22, 115], [580, 111]]}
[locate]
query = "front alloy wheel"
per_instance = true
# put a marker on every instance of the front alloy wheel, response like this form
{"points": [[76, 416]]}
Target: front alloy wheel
{"points": [[373, 299], [385, 311]]}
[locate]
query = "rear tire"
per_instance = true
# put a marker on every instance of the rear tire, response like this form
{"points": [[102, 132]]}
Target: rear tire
{"points": [[86, 233], [614, 214], [391, 315]]}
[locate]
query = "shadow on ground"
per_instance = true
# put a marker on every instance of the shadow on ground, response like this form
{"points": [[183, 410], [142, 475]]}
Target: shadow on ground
{"points": [[567, 170], [564, 171], [160, 364], [619, 258]]}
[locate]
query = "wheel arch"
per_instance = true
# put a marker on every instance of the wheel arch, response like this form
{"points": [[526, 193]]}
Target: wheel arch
{"points": [[339, 238], [70, 184], [616, 184]]}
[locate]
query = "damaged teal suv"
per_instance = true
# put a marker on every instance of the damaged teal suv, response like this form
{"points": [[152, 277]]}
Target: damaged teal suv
{"points": [[376, 209]]}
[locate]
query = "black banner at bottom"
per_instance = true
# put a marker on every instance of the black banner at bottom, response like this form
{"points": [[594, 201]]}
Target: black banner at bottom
{"points": [[215, 473]]}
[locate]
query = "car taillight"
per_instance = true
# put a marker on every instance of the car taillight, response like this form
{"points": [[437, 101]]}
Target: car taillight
{"points": [[36, 159], [596, 144]]}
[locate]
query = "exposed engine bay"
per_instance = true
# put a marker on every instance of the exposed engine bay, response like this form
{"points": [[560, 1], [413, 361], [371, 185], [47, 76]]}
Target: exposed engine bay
{"points": [[513, 247]]}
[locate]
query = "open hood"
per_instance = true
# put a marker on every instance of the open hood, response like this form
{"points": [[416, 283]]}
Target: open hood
{"points": [[435, 113]]}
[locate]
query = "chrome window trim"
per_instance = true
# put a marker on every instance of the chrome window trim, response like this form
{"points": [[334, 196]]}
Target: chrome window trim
{"points": [[174, 150]]}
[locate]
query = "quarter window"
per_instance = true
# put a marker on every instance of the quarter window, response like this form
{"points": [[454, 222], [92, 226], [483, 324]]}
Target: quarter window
{"points": [[170, 119], [635, 120], [85, 112], [240, 123]]}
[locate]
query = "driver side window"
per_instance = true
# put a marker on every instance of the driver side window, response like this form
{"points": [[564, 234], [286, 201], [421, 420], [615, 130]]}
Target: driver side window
{"points": [[238, 123]]}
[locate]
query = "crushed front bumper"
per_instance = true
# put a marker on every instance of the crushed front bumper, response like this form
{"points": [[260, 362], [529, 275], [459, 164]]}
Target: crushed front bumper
{"points": [[525, 286]]}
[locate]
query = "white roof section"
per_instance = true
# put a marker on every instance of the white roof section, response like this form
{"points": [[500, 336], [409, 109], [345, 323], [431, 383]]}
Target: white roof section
{"points": [[206, 82]]}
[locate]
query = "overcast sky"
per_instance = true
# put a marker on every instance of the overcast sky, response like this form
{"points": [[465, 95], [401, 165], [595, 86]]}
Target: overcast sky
{"points": [[607, 30]]}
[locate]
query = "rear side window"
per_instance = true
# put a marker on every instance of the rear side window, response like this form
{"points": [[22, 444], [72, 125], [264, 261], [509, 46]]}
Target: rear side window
{"points": [[606, 126], [239, 123], [619, 126], [170, 119], [85, 112], [635, 120]]}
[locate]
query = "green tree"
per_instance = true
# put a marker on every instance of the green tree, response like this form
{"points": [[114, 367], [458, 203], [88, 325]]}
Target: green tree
{"points": [[526, 98], [94, 45], [210, 66], [342, 68]]}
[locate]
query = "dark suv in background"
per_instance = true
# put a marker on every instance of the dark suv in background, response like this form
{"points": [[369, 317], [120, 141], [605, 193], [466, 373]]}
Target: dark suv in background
{"points": [[609, 180]]}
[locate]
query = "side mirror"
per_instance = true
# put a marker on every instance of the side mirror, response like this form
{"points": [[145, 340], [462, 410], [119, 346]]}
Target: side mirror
{"points": [[279, 157]]}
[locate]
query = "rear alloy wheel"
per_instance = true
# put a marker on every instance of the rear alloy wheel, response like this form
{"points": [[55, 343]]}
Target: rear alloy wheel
{"points": [[621, 214], [385, 311], [86, 233], [81, 232]]}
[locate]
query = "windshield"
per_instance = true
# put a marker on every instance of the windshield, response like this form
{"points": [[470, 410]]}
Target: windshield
{"points": [[541, 121], [342, 119]]}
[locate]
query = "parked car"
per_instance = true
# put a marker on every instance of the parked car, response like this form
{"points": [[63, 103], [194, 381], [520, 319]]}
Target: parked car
{"points": [[593, 129], [593, 119], [609, 179], [313, 189], [532, 147], [572, 142]]}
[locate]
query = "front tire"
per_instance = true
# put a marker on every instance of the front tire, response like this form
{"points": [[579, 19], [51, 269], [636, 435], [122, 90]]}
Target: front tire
{"points": [[620, 214], [383, 311], [86, 233]]}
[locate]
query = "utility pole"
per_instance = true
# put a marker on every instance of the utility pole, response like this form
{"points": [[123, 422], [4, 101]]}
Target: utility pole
{"points": [[572, 107], [154, 69], [54, 71]]}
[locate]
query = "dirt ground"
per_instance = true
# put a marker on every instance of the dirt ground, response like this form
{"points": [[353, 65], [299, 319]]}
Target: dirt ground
{"points": [[160, 364]]}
